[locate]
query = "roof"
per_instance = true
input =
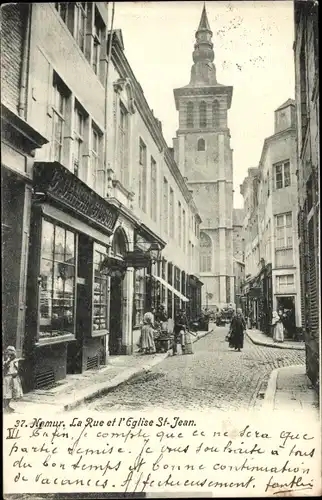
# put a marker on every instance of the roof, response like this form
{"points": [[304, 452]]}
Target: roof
{"points": [[289, 102]]}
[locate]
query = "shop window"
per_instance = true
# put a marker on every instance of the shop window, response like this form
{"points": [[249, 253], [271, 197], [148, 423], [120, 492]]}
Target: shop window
{"points": [[100, 302], [139, 295], [203, 114], [201, 145], [190, 121], [57, 281]]}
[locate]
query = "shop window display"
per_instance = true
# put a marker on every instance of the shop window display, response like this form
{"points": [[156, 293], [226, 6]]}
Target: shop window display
{"points": [[57, 281], [100, 305]]}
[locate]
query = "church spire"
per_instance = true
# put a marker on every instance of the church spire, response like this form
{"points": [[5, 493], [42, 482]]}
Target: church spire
{"points": [[204, 24], [203, 71]]}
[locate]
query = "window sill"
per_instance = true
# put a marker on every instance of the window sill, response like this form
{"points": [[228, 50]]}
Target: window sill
{"points": [[55, 340], [99, 333]]}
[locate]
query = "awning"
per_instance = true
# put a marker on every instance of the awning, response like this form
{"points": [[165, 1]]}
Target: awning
{"points": [[171, 288]]}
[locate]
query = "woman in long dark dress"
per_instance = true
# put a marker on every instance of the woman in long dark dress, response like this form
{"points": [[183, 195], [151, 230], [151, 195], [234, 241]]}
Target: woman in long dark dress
{"points": [[237, 328]]}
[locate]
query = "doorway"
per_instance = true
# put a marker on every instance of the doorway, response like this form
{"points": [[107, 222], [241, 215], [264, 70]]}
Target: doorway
{"points": [[115, 337], [287, 305]]}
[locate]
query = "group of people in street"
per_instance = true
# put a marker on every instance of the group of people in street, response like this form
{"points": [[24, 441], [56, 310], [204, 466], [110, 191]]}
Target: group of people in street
{"points": [[156, 324]]}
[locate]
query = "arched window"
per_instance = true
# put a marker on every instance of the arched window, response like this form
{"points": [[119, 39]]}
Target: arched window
{"points": [[203, 114], [190, 115], [215, 114], [119, 244], [201, 145], [205, 253]]}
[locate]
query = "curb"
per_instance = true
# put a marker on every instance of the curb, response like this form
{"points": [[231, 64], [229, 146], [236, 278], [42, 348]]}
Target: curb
{"points": [[122, 378], [269, 398], [276, 345]]}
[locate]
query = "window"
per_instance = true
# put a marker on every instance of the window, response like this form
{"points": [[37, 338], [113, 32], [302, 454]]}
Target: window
{"points": [[179, 224], [123, 146], [215, 114], [79, 122], [80, 23], [268, 185], [57, 281], [165, 205], [282, 175], [203, 114], [201, 145], [190, 120], [172, 215], [205, 253], [286, 281], [142, 175], [95, 156], [139, 296], [284, 230], [59, 110], [97, 42], [100, 302], [184, 229], [153, 174]]}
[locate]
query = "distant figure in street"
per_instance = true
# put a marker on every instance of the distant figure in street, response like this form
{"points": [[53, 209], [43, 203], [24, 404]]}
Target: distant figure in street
{"points": [[11, 381], [179, 331], [278, 327], [146, 342], [237, 328]]}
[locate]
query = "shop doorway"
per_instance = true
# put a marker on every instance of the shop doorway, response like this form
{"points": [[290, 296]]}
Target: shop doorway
{"points": [[287, 305], [118, 252]]}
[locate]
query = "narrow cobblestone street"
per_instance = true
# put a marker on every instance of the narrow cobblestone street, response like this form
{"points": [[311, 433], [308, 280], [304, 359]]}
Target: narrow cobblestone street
{"points": [[213, 377]]}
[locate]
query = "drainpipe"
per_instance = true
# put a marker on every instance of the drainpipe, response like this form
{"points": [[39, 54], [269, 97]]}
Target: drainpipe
{"points": [[24, 63], [110, 43]]}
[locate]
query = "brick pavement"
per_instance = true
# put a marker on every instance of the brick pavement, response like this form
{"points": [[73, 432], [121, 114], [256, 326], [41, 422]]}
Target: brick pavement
{"points": [[213, 377]]}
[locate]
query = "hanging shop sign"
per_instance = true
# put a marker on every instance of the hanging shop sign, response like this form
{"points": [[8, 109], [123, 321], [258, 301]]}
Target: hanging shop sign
{"points": [[255, 292], [53, 181], [138, 259]]}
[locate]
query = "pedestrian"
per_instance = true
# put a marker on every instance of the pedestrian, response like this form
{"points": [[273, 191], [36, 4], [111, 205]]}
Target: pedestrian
{"points": [[146, 342], [237, 328], [179, 331], [278, 327], [11, 381]]}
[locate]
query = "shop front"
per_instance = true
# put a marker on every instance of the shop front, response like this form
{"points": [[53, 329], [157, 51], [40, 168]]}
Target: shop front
{"points": [[18, 144], [194, 294], [68, 286]]}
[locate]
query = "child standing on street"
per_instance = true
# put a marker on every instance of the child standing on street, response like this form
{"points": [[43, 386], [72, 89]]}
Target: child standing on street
{"points": [[11, 381]]}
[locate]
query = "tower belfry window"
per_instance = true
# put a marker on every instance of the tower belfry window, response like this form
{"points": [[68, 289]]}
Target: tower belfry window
{"points": [[190, 115], [215, 114], [201, 145], [203, 114]]}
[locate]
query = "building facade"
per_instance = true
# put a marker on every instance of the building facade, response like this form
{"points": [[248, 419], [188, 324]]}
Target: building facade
{"points": [[271, 253], [204, 156], [306, 52], [98, 197]]}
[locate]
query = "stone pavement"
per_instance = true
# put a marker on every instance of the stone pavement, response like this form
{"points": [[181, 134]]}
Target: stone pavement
{"points": [[290, 389], [259, 338], [214, 377], [79, 388]]}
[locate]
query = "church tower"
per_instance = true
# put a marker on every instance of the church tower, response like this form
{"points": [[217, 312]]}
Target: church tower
{"points": [[203, 154]]}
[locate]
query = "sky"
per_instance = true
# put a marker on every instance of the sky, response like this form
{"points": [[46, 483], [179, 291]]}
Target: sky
{"points": [[253, 44]]}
